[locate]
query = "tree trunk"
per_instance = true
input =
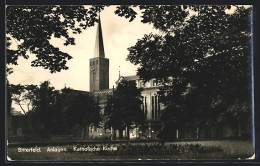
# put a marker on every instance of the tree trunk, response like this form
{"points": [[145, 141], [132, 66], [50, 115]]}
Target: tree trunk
{"points": [[114, 134], [120, 133], [127, 133], [9, 115], [85, 132], [239, 129], [9, 102]]}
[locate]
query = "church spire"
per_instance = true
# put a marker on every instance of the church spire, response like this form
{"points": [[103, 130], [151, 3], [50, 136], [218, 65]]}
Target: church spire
{"points": [[99, 46], [99, 65]]}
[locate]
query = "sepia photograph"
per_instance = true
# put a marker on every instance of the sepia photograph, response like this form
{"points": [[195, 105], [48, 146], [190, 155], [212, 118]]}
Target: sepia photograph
{"points": [[129, 82]]}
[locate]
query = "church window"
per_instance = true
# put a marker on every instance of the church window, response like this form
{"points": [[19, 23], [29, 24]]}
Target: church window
{"points": [[145, 106], [157, 82], [152, 107], [94, 76], [96, 62], [155, 107], [159, 109], [142, 105], [154, 82], [142, 84]]}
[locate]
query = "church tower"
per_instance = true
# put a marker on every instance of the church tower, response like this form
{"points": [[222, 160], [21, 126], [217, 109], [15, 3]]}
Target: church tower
{"points": [[99, 65]]}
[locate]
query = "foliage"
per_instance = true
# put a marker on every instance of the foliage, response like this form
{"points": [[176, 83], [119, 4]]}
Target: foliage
{"points": [[124, 107], [46, 115], [82, 109], [32, 27], [203, 59], [23, 95], [126, 11]]}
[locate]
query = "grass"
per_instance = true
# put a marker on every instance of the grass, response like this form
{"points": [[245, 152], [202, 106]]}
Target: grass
{"points": [[170, 151]]}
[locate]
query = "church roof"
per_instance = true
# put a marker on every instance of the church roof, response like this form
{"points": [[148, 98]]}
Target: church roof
{"points": [[74, 91], [104, 91], [129, 78], [99, 45]]}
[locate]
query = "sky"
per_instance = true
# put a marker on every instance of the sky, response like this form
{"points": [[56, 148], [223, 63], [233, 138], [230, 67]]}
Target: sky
{"points": [[118, 35]]}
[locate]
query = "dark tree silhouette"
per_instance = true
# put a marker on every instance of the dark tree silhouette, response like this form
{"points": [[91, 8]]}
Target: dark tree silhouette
{"points": [[82, 110], [44, 116], [23, 96], [203, 56], [124, 107]]}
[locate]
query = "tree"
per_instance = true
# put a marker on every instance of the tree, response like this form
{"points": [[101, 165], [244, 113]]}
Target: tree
{"points": [[45, 117], [23, 96], [53, 112], [82, 110], [32, 27], [124, 107], [203, 59]]}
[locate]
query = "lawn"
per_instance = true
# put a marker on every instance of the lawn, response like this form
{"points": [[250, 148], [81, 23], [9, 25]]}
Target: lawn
{"points": [[224, 149]]}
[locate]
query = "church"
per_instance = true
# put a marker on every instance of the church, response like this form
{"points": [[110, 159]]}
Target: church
{"points": [[99, 86]]}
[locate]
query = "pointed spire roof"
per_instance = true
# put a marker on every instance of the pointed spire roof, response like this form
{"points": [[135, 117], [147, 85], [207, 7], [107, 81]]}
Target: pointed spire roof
{"points": [[99, 45]]}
